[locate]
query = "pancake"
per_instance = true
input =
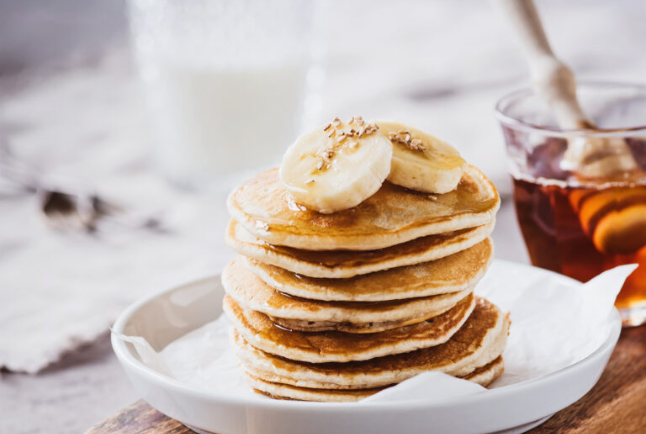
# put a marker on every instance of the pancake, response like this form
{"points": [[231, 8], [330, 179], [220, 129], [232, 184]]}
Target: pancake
{"points": [[486, 375], [392, 216], [478, 342], [285, 391], [345, 264], [258, 329], [449, 274], [312, 315]]}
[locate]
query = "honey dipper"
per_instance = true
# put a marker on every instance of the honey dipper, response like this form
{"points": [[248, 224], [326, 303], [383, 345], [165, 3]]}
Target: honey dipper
{"points": [[591, 158]]}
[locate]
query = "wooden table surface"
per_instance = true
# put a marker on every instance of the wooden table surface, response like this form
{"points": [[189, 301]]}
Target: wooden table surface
{"points": [[616, 405]]}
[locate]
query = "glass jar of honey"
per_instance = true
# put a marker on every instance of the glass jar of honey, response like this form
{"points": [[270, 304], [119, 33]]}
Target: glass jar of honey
{"points": [[580, 225]]}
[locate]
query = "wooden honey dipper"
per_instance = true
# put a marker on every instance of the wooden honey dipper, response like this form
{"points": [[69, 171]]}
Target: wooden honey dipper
{"points": [[589, 158]]}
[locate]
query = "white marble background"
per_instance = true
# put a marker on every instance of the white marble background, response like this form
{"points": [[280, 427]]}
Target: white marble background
{"points": [[71, 106]]}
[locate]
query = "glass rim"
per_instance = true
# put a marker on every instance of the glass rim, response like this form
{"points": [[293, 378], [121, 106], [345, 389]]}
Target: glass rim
{"points": [[525, 92]]}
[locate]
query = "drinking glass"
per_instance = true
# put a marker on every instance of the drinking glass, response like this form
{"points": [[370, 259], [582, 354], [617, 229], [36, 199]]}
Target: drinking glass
{"points": [[225, 81], [572, 226]]}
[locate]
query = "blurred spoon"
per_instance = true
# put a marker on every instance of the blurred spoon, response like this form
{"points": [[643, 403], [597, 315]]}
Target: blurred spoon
{"points": [[68, 208]]}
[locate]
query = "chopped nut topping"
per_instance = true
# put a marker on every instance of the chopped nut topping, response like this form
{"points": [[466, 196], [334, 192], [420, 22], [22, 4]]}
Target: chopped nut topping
{"points": [[262, 225], [340, 138], [371, 128], [296, 206], [404, 137], [416, 145]]}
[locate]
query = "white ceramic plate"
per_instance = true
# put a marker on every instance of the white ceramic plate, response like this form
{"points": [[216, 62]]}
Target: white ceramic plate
{"points": [[164, 317]]}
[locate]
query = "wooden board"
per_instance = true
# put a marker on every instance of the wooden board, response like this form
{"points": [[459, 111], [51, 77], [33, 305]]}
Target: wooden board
{"points": [[617, 404]]}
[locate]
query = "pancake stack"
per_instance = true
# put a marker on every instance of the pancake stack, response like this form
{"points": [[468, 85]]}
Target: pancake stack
{"points": [[336, 306]]}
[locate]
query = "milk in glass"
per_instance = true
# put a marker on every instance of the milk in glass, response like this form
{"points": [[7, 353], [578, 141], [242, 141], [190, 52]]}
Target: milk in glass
{"points": [[225, 81]]}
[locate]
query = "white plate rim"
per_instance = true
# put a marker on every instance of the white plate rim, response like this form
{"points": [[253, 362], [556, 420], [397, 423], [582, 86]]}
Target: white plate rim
{"points": [[124, 355]]}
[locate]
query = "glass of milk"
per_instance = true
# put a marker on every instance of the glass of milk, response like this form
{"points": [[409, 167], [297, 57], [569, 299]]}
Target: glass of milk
{"points": [[225, 81]]}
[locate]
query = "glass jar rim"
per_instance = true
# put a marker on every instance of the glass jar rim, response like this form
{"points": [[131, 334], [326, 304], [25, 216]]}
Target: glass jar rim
{"points": [[507, 120]]}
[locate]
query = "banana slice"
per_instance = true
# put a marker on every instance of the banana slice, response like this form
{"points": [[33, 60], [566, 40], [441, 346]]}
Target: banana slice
{"points": [[338, 166], [420, 161]]}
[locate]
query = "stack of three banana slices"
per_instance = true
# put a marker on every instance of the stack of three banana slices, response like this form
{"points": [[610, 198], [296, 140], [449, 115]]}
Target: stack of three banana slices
{"points": [[338, 166]]}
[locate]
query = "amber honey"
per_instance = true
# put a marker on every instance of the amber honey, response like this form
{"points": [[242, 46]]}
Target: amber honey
{"points": [[582, 230]]}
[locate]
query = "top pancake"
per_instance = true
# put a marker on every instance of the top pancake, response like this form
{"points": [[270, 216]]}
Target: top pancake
{"points": [[391, 216]]}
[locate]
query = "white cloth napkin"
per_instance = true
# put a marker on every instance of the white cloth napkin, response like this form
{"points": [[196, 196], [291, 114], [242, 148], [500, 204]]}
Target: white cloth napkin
{"points": [[59, 291]]}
